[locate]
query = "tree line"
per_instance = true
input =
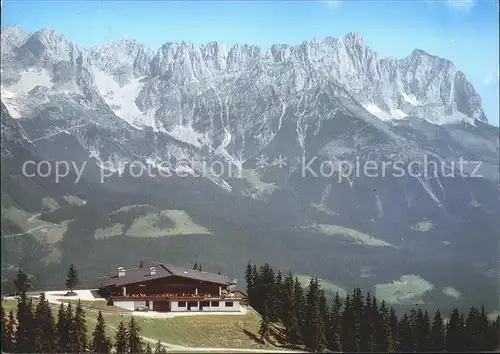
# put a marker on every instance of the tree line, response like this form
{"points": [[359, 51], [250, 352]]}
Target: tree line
{"points": [[34, 329], [359, 322]]}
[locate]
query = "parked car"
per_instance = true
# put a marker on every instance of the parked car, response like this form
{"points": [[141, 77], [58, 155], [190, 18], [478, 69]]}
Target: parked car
{"points": [[142, 309]]}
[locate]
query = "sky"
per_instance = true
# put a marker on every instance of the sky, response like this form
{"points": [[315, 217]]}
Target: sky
{"points": [[463, 31]]}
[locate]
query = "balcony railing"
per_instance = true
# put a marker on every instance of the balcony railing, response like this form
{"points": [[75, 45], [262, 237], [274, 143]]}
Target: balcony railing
{"points": [[187, 296]]}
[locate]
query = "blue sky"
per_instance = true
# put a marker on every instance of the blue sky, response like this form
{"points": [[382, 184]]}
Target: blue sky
{"points": [[464, 31]]}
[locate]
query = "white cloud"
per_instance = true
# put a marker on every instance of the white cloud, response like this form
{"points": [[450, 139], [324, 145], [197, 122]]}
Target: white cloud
{"points": [[461, 5]]}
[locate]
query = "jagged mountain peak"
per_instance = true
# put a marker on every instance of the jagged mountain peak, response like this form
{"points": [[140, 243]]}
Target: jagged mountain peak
{"points": [[420, 85]]}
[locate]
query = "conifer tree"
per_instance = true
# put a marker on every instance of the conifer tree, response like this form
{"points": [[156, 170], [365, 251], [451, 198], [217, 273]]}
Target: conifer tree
{"points": [[368, 325], [100, 342], [455, 333], [393, 321], [159, 348], [438, 339], [334, 331], [278, 289], [9, 333], [72, 278], [300, 304], [264, 324], [148, 349], [62, 330], [347, 325], [383, 331], [121, 339], [314, 329], [69, 320], [22, 282], [134, 337], [423, 331], [45, 330], [79, 337], [406, 342], [141, 264], [289, 316], [494, 335], [6, 338], [25, 331]]}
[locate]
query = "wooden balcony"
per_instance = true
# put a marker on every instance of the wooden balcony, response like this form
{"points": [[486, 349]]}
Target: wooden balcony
{"points": [[179, 296]]}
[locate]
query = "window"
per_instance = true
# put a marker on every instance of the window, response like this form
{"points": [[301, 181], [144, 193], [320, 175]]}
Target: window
{"points": [[205, 303], [229, 304], [215, 303], [181, 304]]}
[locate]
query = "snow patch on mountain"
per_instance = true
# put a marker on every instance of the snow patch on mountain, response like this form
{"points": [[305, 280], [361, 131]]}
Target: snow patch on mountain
{"points": [[188, 135], [411, 99], [385, 116], [31, 78], [121, 98]]}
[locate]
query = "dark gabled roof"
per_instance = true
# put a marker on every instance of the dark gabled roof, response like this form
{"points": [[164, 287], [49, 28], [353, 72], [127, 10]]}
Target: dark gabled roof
{"points": [[163, 270]]}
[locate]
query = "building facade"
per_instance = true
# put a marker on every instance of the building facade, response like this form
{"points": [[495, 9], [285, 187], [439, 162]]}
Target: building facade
{"points": [[168, 288]]}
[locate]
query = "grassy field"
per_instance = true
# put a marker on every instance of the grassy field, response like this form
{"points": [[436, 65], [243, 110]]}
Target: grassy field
{"points": [[350, 234], [220, 331], [409, 289], [326, 285], [152, 224], [42, 230]]}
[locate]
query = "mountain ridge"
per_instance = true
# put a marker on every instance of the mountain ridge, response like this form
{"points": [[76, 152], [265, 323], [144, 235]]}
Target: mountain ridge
{"points": [[414, 85]]}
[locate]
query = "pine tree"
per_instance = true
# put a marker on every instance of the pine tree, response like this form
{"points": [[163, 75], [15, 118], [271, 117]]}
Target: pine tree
{"points": [[45, 330], [159, 348], [25, 332], [438, 343], [100, 342], [9, 334], [314, 328], [121, 339], [347, 325], [279, 291], [333, 332], [494, 335], [62, 331], [455, 333], [250, 280], [79, 338], [72, 278], [289, 316], [141, 264], [368, 325], [22, 282], [393, 321], [383, 331], [69, 320], [300, 304], [148, 349], [264, 324], [406, 341], [424, 331], [6, 337], [195, 266], [483, 329], [134, 337]]}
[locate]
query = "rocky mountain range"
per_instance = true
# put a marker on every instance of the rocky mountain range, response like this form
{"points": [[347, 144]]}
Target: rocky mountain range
{"points": [[257, 145]]}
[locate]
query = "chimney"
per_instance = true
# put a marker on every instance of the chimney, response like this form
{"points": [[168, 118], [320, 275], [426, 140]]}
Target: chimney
{"points": [[152, 270], [121, 272]]}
